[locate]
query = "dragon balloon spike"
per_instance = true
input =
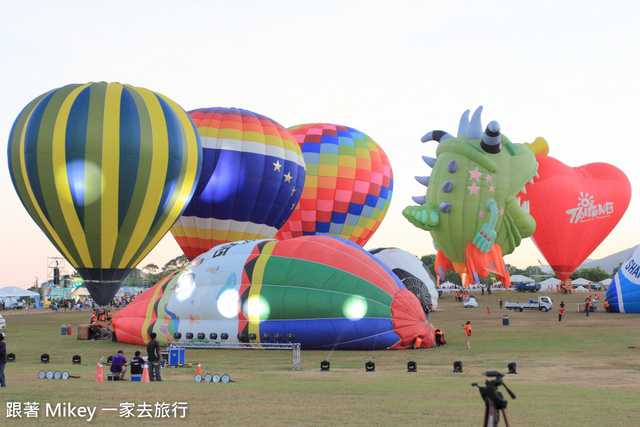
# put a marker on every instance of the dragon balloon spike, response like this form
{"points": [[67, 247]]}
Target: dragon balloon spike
{"points": [[470, 206]]}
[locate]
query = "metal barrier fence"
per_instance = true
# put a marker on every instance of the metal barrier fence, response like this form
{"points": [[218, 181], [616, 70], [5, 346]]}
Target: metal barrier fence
{"points": [[254, 345]]}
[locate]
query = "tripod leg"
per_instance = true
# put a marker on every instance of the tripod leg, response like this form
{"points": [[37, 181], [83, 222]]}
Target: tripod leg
{"points": [[489, 414], [504, 415]]}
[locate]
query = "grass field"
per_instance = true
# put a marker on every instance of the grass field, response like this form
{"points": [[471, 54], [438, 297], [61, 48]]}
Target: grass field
{"points": [[575, 372]]}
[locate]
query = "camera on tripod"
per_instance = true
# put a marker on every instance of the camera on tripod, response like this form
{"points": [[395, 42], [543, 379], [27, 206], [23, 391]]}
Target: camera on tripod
{"points": [[494, 401]]}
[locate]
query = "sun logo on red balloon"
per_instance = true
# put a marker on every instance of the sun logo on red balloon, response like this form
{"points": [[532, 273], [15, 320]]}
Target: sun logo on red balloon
{"points": [[585, 200]]}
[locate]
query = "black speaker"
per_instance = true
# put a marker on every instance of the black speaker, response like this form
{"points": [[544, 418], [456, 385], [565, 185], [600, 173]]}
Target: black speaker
{"points": [[11, 357], [265, 337], [76, 360], [177, 335], [457, 366], [325, 365], [44, 358], [201, 335], [412, 366], [213, 336], [189, 335], [224, 336], [369, 366], [512, 368]]}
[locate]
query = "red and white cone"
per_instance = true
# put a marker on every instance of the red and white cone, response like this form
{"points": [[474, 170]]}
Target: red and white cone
{"points": [[199, 369], [145, 373], [99, 373]]}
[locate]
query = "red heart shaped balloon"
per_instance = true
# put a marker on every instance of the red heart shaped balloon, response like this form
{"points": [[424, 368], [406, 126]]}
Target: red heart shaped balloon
{"points": [[575, 209]]}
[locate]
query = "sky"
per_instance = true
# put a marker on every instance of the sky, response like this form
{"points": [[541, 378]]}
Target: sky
{"points": [[566, 71]]}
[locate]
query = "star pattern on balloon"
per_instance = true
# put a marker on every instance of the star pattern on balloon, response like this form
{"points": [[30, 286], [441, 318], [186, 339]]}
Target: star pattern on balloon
{"points": [[473, 189], [475, 174], [276, 166], [287, 177], [480, 213]]}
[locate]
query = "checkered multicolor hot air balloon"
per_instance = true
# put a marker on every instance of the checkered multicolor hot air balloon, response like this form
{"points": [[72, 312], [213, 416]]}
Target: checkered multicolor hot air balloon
{"points": [[348, 186], [104, 170], [252, 178]]}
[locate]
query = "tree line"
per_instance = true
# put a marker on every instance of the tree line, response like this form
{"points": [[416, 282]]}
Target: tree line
{"points": [[535, 272]]}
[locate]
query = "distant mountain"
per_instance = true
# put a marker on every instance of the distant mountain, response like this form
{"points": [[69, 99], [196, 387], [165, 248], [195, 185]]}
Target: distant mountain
{"points": [[607, 263]]}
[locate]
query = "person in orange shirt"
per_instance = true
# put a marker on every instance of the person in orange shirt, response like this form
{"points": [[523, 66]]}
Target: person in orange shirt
{"points": [[560, 313], [467, 334], [606, 306]]}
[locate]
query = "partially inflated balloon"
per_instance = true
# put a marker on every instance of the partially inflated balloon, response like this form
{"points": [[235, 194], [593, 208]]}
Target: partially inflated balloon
{"points": [[412, 272], [348, 187], [575, 209], [104, 170], [624, 292], [328, 292], [252, 178]]}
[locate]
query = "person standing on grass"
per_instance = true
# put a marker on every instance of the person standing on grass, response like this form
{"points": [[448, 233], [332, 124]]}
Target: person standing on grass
{"points": [[154, 358], [3, 358], [561, 313], [467, 334]]}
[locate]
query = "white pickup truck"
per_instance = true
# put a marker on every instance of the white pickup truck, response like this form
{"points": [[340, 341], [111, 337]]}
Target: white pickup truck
{"points": [[543, 304]]}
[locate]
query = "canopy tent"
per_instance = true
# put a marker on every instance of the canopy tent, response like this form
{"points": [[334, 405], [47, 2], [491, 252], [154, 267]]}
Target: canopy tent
{"points": [[14, 293], [519, 278], [549, 284], [580, 282], [81, 292], [606, 282]]}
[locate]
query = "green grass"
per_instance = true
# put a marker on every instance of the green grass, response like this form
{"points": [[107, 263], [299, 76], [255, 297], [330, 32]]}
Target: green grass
{"points": [[578, 371]]}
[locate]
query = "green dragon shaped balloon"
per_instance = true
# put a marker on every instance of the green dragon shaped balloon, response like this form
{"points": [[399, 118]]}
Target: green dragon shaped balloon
{"points": [[470, 206]]}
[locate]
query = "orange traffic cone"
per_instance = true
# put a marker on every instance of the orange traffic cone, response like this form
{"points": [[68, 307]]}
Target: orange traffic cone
{"points": [[145, 373], [99, 373], [199, 369], [488, 310]]}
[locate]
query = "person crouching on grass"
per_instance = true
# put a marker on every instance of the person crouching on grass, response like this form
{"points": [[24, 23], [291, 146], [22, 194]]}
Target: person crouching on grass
{"points": [[119, 365]]}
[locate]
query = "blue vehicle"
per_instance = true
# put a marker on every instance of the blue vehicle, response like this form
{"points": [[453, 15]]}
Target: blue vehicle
{"points": [[527, 287]]}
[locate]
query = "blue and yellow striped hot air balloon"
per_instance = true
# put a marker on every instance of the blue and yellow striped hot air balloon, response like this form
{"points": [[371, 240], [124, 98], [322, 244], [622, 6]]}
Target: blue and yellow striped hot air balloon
{"points": [[104, 170]]}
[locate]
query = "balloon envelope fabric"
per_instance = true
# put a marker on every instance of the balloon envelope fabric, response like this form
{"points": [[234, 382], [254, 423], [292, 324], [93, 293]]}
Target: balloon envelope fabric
{"points": [[575, 209], [348, 186], [623, 293], [104, 170], [326, 291], [412, 272], [252, 178]]}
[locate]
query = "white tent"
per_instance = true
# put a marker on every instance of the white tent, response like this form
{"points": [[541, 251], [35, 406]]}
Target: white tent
{"points": [[580, 282], [549, 284], [519, 278], [81, 292], [14, 293]]}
